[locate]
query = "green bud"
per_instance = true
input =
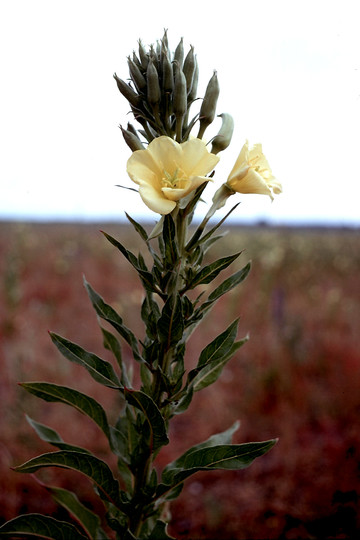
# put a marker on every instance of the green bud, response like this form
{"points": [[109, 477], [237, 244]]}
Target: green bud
{"points": [[179, 100], [179, 53], [223, 138], [153, 87], [136, 75], [165, 41], [128, 92], [144, 57], [167, 75], [208, 107], [131, 140], [193, 91], [189, 69]]}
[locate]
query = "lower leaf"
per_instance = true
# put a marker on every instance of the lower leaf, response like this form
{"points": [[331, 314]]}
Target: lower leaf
{"points": [[39, 526]]}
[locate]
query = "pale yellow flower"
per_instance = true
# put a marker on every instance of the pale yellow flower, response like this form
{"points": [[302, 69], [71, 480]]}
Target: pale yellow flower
{"points": [[252, 174], [168, 171]]}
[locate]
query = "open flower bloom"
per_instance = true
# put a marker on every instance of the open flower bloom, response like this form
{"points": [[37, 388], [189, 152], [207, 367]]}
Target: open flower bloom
{"points": [[252, 174], [168, 171]]}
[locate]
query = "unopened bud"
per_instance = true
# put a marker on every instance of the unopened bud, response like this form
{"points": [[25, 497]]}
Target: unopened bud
{"points": [[136, 75], [189, 68], [223, 138], [208, 106], [193, 91], [153, 87], [131, 140], [144, 57], [128, 92], [179, 101], [179, 53], [167, 75]]}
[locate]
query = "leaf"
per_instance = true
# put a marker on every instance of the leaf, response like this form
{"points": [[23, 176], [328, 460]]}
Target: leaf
{"points": [[223, 456], [220, 346], [106, 312], [159, 532], [226, 286], [83, 403], [171, 252], [39, 526], [112, 344], [139, 229], [211, 371], [209, 272], [143, 402], [92, 467], [99, 369], [146, 276], [50, 436], [171, 322]]}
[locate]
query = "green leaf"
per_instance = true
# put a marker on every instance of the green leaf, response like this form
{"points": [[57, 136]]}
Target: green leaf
{"points": [[226, 286], [139, 229], [50, 436], [143, 402], [83, 403], [88, 520], [112, 344], [99, 369], [211, 371], [171, 322], [169, 233], [209, 272], [92, 467], [223, 456], [220, 346], [159, 532], [146, 276], [38, 526], [106, 312]]}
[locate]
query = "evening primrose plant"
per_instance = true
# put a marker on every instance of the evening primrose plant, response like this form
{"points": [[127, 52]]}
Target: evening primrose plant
{"points": [[171, 164]]}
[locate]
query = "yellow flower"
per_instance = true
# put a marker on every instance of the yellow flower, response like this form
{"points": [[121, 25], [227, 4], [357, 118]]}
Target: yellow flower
{"points": [[168, 171], [252, 174]]}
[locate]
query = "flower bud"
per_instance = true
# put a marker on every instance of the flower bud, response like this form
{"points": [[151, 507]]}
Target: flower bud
{"points": [[193, 91], [189, 68], [153, 87], [167, 75], [208, 107], [223, 138], [136, 75], [179, 101], [179, 53], [131, 140], [128, 92], [144, 57]]}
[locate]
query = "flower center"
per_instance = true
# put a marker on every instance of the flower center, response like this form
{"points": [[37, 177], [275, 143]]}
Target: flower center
{"points": [[175, 180]]}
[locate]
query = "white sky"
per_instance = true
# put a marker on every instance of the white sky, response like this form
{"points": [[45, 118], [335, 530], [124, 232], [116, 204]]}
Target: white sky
{"points": [[289, 73]]}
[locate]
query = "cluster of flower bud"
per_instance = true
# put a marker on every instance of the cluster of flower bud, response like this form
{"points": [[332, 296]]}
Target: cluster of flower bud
{"points": [[161, 89]]}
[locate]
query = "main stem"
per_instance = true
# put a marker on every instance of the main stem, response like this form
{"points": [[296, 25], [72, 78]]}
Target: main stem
{"points": [[142, 477]]}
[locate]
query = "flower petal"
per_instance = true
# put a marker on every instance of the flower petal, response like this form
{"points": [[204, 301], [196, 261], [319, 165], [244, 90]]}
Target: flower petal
{"points": [[197, 160], [241, 166], [141, 167], [252, 183], [155, 200]]}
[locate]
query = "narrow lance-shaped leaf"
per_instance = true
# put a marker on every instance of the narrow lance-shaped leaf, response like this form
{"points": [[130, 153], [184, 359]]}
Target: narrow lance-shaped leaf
{"points": [[223, 456], [99, 369], [106, 312], [50, 436], [146, 276], [112, 344], [89, 521], [92, 467], [171, 322], [85, 404], [171, 252], [211, 371], [226, 286], [209, 273], [39, 526], [220, 346], [143, 402]]}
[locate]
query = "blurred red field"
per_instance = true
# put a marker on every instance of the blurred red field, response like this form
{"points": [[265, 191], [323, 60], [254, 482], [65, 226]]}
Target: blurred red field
{"points": [[298, 378]]}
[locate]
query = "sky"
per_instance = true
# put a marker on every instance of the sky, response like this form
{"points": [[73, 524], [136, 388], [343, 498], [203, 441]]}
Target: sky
{"points": [[289, 74]]}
